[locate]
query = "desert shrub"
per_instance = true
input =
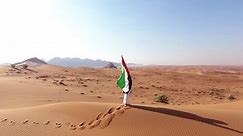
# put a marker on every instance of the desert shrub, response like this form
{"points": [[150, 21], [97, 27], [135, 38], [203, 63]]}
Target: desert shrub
{"points": [[25, 66], [162, 98], [231, 97], [12, 65]]}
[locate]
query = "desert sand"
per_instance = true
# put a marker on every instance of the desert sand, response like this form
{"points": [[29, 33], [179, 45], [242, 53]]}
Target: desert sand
{"points": [[50, 100]]}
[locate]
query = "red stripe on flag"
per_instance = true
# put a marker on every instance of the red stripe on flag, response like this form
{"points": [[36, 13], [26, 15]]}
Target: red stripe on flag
{"points": [[125, 65]]}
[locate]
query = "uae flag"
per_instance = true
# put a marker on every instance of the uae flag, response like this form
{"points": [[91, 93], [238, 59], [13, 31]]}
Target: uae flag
{"points": [[125, 80]]}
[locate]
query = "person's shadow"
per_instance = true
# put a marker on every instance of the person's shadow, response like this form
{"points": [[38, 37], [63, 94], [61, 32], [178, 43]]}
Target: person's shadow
{"points": [[187, 115]]}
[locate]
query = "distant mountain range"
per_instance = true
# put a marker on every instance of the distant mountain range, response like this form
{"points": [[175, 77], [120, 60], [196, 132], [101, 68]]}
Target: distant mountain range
{"points": [[77, 62], [72, 62]]}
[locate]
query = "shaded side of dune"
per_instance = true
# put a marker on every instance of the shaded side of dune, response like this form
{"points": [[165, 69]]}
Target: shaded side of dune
{"points": [[187, 115]]}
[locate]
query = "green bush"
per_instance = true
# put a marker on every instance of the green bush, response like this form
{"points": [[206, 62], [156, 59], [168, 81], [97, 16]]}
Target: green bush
{"points": [[162, 98]]}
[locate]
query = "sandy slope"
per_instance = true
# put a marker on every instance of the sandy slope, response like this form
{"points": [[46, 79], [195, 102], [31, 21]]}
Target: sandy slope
{"points": [[56, 119], [137, 120], [58, 101]]}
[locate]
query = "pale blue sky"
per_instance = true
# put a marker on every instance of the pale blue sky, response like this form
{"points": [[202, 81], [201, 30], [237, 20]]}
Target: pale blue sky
{"points": [[145, 31]]}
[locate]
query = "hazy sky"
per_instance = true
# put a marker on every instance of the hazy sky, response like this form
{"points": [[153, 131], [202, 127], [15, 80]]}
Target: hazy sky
{"points": [[144, 31]]}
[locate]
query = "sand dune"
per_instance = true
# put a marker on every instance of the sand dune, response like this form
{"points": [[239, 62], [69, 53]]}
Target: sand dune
{"points": [[58, 101], [62, 116], [84, 118]]}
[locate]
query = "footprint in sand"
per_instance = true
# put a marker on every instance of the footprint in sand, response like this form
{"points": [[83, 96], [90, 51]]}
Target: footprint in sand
{"points": [[25, 121], [35, 123], [102, 120], [82, 125], [109, 115], [73, 127], [58, 125], [105, 122], [89, 125], [94, 124], [98, 116], [120, 112], [5, 119], [110, 110], [12, 123], [47, 122], [119, 107]]}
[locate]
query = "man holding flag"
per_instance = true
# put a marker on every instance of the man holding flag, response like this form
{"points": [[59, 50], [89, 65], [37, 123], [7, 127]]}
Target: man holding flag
{"points": [[125, 82]]}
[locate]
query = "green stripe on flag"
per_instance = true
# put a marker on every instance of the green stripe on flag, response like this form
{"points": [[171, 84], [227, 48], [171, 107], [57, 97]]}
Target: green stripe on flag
{"points": [[122, 81]]}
